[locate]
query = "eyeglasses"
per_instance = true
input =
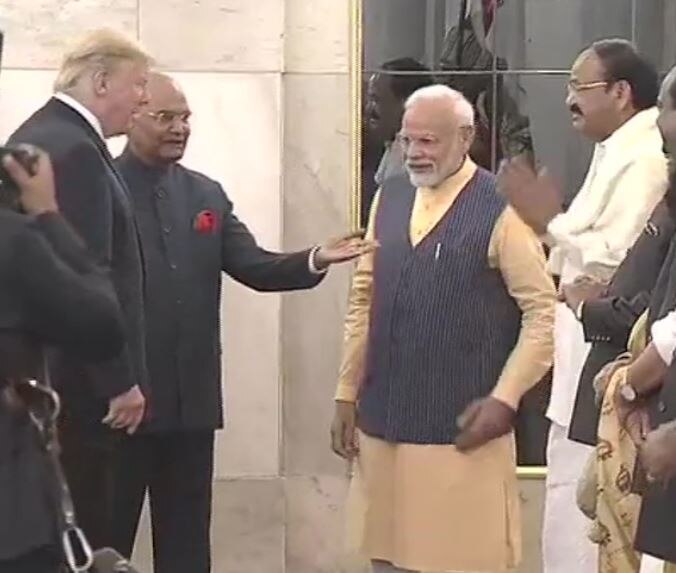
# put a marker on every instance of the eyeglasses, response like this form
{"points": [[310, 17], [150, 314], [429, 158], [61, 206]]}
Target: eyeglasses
{"points": [[577, 86], [167, 118]]}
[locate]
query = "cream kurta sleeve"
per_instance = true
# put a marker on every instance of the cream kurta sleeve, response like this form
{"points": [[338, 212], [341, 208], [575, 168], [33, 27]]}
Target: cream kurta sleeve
{"points": [[517, 252], [357, 322]]}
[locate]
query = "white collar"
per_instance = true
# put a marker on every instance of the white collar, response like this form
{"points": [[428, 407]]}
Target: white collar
{"points": [[634, 127], [71, 102]]}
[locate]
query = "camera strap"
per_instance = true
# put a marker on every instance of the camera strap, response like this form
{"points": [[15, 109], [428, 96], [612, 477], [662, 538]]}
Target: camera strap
{"points": [[43, 406]]}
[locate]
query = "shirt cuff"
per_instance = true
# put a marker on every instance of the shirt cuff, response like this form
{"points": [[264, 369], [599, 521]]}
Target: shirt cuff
{"points": [[553, 231], [507, 396], [664, 337], [578, 311], [346, 393], [311, 262]]}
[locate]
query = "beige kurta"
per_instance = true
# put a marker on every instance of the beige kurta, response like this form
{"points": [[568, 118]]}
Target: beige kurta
{"points": [[429, 507]]}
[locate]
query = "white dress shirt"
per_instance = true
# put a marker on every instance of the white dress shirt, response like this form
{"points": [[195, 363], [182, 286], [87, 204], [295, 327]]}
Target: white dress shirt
{"points": [[663, 334], [82, 110], [627, 177]]}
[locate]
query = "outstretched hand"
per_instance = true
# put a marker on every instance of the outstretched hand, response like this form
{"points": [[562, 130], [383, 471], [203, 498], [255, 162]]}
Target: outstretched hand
{"points": [[342, 249]]}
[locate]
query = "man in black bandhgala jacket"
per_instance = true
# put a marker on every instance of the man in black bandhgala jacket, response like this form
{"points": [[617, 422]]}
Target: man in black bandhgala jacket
{"points": [[190, 237]]}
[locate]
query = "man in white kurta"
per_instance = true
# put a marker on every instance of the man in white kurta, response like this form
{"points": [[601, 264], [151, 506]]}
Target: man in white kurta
{"points": [[611, 95]]}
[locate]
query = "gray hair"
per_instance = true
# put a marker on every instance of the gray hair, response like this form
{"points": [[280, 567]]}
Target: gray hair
{"points": [[458, 102]]}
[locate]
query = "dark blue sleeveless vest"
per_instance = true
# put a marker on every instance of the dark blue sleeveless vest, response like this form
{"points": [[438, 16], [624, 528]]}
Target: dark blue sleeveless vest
{"points": [[442, 323]]}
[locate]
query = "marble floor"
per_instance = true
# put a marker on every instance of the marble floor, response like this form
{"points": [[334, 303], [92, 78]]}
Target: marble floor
{"points": [[257, 530]]}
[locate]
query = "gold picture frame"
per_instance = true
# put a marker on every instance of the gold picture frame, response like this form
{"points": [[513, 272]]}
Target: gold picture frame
{"points": [[356, 53], [356, 45]]}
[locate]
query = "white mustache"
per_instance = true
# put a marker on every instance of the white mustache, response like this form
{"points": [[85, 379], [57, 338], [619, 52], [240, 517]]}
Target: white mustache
{"points": [[421, 165]]}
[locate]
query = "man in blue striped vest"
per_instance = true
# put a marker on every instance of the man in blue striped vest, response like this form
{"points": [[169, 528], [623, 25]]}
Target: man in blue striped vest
{"points": [[450, 323]]}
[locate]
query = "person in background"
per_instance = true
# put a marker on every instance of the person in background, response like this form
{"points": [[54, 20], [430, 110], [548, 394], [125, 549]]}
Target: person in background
{"points": [[387, 90]]}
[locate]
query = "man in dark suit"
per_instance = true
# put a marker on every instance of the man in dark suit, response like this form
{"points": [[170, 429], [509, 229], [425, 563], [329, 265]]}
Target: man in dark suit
{"points": [[651, 380], [51, 294], [101, 82], [190, 236], [656, 531], [608, 315]]}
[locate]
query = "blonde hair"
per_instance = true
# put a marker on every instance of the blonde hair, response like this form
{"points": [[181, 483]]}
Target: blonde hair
{"points": [[100, 49], [461, 106]]}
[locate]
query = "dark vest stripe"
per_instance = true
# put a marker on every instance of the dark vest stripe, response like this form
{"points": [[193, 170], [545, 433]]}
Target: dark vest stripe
{"points": [[442, 323]]}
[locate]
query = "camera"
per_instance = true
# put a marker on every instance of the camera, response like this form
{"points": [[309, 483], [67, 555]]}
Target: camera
{"points": [[27, 156]]}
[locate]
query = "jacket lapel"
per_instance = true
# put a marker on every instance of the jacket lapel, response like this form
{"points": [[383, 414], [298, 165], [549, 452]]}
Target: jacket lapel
{"points": [[59, 108]]}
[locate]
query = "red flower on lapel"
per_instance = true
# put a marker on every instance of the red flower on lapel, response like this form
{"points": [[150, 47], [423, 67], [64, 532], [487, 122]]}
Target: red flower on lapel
{"points": [[205, 222]]}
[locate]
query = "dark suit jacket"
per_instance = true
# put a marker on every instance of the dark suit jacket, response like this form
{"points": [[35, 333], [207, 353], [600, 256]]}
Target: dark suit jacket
{"points": [[93, 198], [656, 532], [608, 321], [185, 257], [50, 293]]}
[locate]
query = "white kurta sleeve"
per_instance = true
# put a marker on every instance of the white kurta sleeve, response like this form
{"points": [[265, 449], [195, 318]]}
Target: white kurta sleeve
{"points": [[663, 334]]}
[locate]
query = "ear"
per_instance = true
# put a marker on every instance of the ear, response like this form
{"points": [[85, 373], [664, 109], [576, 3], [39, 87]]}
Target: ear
{"points": [[100, 82], [130, 123], [467, 134], [623, 94]]}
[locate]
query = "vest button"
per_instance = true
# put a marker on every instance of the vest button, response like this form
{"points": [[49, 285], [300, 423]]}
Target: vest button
{"points": [[661, 406]]}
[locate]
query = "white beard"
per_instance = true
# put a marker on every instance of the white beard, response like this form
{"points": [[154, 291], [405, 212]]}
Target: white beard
{"points": [[429, 179]]}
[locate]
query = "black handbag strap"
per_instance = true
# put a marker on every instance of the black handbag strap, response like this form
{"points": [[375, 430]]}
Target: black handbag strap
{"points": [[43, 405]]}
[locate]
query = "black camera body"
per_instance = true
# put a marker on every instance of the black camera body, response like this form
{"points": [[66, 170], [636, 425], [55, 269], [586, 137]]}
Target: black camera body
{"points": [[26, 156]]}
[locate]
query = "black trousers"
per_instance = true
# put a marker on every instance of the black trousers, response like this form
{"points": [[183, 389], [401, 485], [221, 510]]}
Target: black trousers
{"points": [[177, 471], [41, 560], [656, 532], [88, 455]]}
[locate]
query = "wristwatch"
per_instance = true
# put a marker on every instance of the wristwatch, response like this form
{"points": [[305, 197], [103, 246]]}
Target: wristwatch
{"points": [[628, 393]]}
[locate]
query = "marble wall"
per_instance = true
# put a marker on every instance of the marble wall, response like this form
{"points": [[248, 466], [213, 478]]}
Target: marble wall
{"points": [[315, 202], [269, 85]]}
